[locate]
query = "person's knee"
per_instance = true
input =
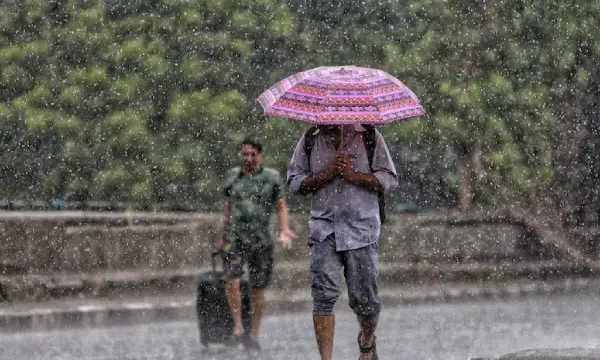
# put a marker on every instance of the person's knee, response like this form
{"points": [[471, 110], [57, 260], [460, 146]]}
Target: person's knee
{"points": [[234, 281], [233, 265], [235, 272]]}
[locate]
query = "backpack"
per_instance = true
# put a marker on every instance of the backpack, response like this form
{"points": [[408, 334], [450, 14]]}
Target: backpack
{"points": [[369, 139]]}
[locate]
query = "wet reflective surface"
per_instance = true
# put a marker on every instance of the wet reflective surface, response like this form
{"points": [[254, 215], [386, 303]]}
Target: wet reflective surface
{"points": [[427, 331]]}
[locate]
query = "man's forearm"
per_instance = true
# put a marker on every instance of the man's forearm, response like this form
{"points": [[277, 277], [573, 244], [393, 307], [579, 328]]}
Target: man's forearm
{"points": [[282, 212], [314, 183], [367, 181]]}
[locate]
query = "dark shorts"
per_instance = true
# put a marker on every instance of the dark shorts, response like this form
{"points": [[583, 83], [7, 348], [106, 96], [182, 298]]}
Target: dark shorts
{"points": [[258, 258]]}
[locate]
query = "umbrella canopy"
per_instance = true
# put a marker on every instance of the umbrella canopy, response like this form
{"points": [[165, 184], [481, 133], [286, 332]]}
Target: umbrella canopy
{"points": [[337, 95]]}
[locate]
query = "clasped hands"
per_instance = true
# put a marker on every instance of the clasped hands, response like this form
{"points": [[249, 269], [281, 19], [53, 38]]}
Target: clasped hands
{"points": [[340, 164]]}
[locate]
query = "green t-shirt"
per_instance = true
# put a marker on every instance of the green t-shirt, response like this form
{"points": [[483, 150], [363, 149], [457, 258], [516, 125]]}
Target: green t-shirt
{"points": [[253, 199]]}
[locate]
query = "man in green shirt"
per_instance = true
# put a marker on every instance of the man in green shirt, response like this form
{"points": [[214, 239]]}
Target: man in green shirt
{"points": [[252, 192]]}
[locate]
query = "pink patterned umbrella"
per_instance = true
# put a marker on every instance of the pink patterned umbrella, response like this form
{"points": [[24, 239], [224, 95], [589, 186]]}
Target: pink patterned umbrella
{"points": [[337, 95]]}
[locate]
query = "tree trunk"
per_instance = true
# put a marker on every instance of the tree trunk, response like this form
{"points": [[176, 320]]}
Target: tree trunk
{"points": [[546, 223], [465, 170], [471, 171]]}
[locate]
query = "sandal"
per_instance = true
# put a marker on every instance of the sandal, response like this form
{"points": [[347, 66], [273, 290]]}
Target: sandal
{"points": [[368, 350]]}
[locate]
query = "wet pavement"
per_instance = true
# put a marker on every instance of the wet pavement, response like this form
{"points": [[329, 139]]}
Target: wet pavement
{"points": [[426, 331]]}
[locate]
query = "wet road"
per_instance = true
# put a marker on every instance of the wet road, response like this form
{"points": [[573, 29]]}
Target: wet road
{"points": [[427, 331]]}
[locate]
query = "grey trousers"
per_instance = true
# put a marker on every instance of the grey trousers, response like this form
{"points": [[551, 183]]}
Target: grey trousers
{"points": [[360, 272]]}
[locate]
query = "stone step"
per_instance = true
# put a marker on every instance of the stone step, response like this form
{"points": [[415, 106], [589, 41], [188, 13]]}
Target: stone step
{"points": [[287, 275]]}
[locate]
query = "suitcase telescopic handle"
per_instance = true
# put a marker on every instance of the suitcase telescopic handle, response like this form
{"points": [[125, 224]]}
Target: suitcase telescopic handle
{"points": [[214, 261]]}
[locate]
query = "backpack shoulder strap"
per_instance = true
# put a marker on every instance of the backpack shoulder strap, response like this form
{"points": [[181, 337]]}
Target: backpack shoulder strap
{"points": [[309, 141], [370, 139]]}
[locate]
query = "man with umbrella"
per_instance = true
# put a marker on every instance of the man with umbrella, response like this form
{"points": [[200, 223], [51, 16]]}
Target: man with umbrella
{"points": [[344, 168]]}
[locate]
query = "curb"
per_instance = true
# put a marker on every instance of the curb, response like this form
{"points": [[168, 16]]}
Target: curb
{"points": [[101, 313]]}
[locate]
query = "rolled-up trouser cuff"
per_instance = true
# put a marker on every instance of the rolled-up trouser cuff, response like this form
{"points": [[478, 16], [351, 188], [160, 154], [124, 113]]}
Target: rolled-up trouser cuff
{"points": [[322, 313], [323, 307], [368, 320]]}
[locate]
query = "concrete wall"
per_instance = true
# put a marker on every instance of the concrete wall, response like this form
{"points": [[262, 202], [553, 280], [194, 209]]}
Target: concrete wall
{"points": [[43, 242]]}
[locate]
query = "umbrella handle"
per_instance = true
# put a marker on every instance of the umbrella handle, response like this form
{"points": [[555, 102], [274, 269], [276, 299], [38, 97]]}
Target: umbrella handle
{"points": [[341, 183]]}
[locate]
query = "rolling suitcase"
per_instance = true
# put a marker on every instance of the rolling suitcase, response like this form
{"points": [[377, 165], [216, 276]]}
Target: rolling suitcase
{"points": [[214, 318]]}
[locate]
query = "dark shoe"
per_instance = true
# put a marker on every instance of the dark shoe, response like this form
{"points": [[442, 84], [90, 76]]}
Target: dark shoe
{"points": [[368, 350], [251, 343]]}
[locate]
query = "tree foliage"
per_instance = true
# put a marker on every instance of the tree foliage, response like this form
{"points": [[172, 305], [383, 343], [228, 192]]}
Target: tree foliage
{"points": [[146, 101]]}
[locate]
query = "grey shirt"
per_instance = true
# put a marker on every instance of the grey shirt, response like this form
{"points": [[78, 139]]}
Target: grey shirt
{"points": [[348, 211]]}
